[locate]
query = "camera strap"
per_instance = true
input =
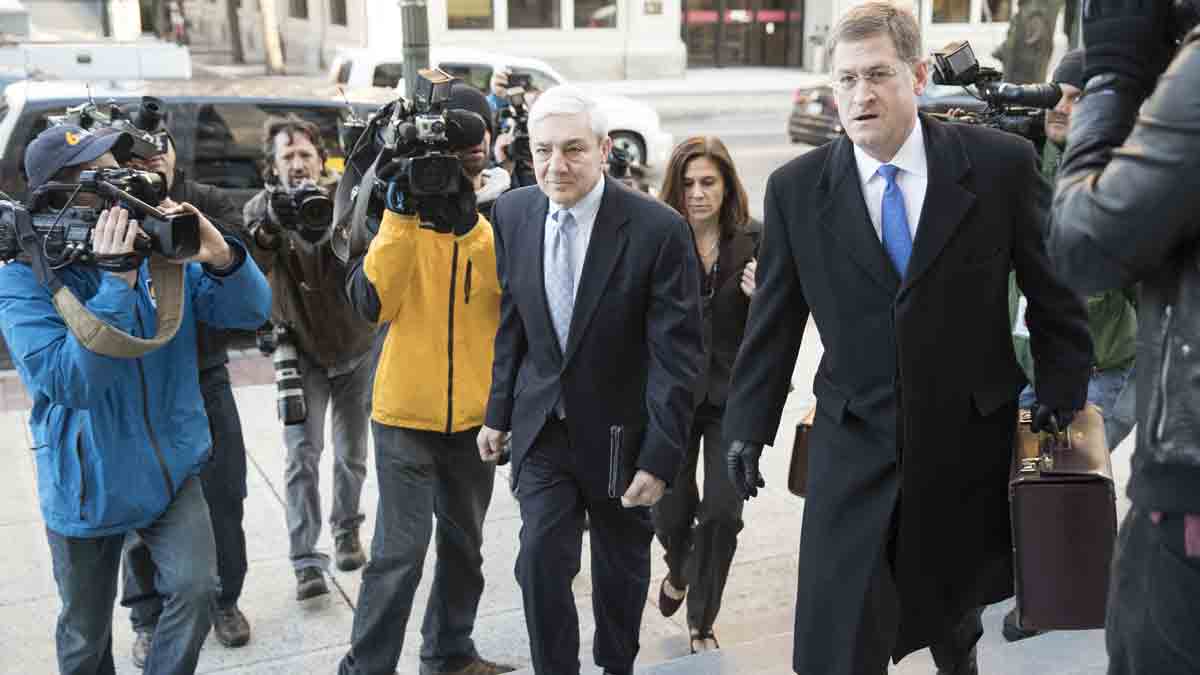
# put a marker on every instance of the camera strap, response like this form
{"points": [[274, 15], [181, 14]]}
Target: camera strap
{"points": [[102, 338]]}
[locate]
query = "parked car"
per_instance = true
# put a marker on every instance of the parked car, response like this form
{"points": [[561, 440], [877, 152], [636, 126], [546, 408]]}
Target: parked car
{"points": [[218, 138], [814, 118], [635, 127]]}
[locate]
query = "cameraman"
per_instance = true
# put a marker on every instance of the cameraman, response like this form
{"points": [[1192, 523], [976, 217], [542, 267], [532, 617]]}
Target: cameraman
{"points": [[431, 387], [334, 345], [1124, 214], [224, 476], [120, 441], [489, 182]]}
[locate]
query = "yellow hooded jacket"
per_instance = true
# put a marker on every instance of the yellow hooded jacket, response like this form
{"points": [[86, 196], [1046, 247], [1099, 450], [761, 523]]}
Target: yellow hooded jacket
{"points": [[441, 296]]}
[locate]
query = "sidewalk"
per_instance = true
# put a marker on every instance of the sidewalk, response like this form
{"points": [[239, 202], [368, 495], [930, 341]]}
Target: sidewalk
{"points": [[299, 638]]}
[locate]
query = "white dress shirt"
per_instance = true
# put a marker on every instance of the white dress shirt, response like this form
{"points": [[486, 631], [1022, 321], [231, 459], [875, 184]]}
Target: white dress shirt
{"points": [[584, 212], [913, 179]]}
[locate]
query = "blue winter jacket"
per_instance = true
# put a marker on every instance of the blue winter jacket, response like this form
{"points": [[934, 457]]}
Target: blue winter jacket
{"points": [[116, 438]]}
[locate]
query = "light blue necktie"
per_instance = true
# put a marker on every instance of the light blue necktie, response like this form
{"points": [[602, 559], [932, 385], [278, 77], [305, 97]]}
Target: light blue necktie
{"points": [[897, 238], [560, 275]]}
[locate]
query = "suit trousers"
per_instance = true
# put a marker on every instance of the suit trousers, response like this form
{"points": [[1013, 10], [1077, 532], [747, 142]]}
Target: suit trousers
{"points": [[699, 557], [224, 482], [554, 497], [880, 621]]}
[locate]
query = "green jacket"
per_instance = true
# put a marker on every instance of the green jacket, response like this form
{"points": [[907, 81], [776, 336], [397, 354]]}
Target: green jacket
{"points": [[1112, 316]]}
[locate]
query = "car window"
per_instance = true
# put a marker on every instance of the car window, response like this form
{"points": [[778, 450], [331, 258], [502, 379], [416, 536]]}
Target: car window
{"points": [[478, 75], [539, 79], [229, 142], [387, 75]]}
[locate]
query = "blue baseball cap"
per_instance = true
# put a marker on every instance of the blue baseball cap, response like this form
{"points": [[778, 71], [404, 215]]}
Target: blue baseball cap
{"points": [[65, 145]]}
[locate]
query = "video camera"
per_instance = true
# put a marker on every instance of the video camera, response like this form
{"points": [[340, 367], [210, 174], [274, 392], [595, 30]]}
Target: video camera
{"points": [[143, 124], [516, 118], [404, 152], [64, 231], [305, 209], [1015, 108]]}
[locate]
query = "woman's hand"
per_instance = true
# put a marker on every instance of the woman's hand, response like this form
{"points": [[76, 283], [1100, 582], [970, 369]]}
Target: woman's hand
{"points": [[114, 235], [748, 272]]}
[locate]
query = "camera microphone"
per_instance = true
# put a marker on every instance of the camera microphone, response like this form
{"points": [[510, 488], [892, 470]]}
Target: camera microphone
{"points": [[464, 128]]}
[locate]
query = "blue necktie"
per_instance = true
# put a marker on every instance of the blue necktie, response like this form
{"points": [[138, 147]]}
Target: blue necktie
{"points": [[897, 238], [560, 275]]}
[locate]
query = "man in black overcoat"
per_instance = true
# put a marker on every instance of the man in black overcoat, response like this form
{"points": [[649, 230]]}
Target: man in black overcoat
{"points": [[899, 239]]}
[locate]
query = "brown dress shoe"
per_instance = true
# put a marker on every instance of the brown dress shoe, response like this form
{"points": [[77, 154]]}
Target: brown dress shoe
{"points": [[230, 626]]}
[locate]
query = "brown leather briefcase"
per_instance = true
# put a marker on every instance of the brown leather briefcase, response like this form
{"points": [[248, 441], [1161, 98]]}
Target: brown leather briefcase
{"points": [[798, 472], [1064, 523]]}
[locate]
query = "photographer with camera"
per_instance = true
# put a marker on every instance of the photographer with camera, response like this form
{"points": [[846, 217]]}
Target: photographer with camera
{"points": [[489, 182], [511, 105], [1124, 214], [121, 440], [430, 391], [224, 476], [322, 337]]}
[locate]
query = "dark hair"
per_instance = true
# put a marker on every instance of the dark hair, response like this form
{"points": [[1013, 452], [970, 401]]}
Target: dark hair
{"points": [[290, 125], [735, 205]]}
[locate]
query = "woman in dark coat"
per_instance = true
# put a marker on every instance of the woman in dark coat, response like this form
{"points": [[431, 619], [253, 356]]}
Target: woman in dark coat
{"points": [[700, 536]]}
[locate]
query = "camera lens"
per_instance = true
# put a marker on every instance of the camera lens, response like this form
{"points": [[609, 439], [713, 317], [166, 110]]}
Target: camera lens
{"points": [[316, 211]]}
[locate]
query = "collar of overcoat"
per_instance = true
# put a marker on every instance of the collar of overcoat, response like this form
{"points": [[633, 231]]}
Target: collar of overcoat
{"points": [[947, 202]]}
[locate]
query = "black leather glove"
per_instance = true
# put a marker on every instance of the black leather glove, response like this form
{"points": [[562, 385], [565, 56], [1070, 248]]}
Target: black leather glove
{"points": [[741, 463], [1050, 420], [454, 213], [1127, 37]]}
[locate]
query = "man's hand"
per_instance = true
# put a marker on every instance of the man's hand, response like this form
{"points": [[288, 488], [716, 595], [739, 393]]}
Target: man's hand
{"points": [[748, 283], [1050, 420], [503, 142], [114, 235], [491, 443], [741, 463], [1127, 37], [214, 250], [644, 490]]}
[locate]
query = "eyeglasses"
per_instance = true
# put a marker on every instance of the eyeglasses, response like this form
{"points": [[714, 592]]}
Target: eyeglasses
{"points": [[849, 81]]}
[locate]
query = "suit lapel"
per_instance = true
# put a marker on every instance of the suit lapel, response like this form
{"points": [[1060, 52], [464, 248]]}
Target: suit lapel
{"points": [[845, 215], [537, 232], [604, 249], [946, 200]]}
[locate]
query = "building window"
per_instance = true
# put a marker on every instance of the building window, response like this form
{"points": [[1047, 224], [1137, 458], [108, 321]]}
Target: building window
{"points": [[533, 14], [298, 9], [469, 14], [951, 11], [992, 11], [595, 13], [337, 13]]}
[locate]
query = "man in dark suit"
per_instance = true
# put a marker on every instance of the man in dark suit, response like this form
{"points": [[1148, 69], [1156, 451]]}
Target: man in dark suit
{"points": [[906, 528], [598, 349]]}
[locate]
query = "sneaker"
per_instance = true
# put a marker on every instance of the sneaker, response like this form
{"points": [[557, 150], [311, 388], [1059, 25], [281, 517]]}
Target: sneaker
{"points": [[349, 552], [1013, 632], [310, 583], [230, 626], [480, 666], [141, 648]]}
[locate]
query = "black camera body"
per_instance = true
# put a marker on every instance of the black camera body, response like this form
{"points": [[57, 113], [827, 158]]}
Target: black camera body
{"points": [[143, 124], [305, 209], [64, 229], [1015, 108], [516, 118]]}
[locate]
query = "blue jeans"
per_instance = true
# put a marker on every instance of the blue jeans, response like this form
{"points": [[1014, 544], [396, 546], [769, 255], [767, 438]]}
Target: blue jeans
{"points": [[181, 544], [1110, 390]]}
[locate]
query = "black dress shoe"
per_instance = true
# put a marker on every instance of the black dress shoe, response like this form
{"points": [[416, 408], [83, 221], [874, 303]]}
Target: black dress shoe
{"points": [[666, 604], [1013, 632], [968, 666]]}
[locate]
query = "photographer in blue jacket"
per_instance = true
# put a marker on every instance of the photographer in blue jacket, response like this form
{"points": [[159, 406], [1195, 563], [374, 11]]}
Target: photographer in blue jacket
{"points": [[120, 442]]}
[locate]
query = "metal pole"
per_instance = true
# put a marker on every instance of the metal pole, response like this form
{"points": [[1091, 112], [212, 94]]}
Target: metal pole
{"points": [[414, 24]]}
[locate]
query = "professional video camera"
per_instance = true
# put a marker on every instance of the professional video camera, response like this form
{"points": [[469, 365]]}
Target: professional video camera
{"points": [[143, 124], [305, 208], [403, 155], [516, 118], [1015, 108], [62, 230]]}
